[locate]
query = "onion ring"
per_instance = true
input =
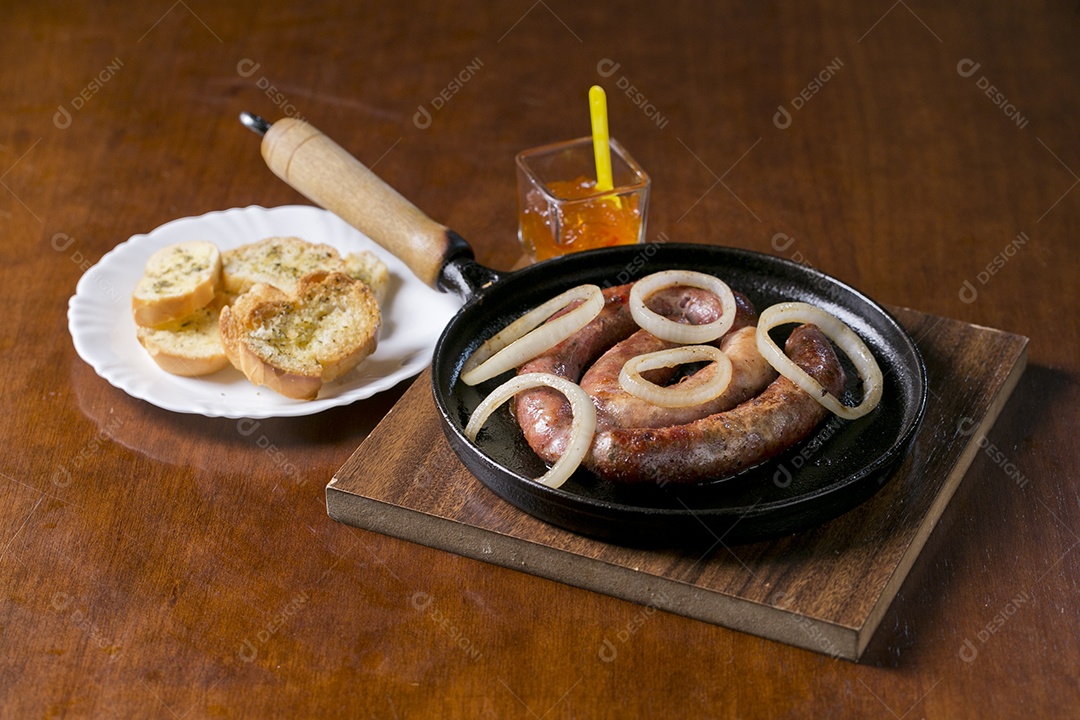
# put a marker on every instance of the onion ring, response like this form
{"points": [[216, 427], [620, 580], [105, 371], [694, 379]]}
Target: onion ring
{"points": [[670, 330], [680, 394], [582, 428], [839, 333], [529, 336]]}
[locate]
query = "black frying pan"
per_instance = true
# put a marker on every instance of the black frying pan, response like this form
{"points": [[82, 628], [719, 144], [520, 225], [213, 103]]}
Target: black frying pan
{"points": [[840, 466]]}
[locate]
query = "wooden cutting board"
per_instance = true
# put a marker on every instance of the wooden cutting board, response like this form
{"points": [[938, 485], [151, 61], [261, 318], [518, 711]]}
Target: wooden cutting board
{"points": [[824, 589]]}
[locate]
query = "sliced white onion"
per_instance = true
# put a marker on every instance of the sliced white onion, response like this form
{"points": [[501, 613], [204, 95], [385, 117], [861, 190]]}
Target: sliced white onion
{"points": [[839, 333], [529, 336], [582, 428], [670, 330], [682, 394]]}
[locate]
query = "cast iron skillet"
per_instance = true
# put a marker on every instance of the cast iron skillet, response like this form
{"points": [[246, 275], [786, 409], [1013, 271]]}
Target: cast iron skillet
{"points": [[840, 466]]}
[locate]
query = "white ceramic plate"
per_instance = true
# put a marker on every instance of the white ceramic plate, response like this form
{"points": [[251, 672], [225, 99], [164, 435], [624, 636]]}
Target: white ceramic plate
{"points": [[103, 330]]}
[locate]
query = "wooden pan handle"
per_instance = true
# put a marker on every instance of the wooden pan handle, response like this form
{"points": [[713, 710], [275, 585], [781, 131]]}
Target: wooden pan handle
{"points": [[327, 174]]}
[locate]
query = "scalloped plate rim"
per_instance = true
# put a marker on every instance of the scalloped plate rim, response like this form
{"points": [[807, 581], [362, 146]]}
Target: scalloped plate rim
{"points": [[98, 320]]}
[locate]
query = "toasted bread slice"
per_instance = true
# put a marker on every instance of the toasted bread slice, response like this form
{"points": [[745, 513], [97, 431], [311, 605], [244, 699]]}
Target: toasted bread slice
{"points": [[366, 267], [293, 344], [190, 346], [277, 261], [177, 281]]}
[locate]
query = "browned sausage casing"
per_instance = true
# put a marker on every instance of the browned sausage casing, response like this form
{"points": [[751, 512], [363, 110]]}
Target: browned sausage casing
{"points": [[544, 414], [728, 442], [689, 449], [615, 407]]}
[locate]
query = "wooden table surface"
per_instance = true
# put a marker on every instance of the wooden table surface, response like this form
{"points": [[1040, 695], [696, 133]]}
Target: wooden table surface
{"points": [[155, 564]]}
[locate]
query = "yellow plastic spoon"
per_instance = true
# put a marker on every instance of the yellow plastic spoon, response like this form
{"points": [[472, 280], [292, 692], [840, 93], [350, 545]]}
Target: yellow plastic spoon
{"points": [[601, 147]]}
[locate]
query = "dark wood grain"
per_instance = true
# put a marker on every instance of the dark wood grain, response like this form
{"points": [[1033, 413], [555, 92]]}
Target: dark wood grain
{"points": [[180, 572], [824, 589]]}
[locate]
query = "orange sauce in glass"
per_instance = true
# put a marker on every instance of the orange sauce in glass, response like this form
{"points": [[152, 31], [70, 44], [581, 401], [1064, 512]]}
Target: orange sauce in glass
{"points": [[602, 222]]}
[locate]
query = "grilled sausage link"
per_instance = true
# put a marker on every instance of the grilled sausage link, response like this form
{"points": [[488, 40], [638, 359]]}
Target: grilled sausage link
{"points": [[728, 442], [615, 407], [544, 414]]}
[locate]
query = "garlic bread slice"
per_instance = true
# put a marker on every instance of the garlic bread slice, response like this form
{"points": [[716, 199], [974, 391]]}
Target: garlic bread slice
{"points": [[277, 261], [177, 281], [190, 346], [294, 343]]}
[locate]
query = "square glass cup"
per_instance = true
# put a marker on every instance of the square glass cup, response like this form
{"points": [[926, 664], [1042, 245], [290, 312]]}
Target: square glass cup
{"points": [[559, 209]]}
